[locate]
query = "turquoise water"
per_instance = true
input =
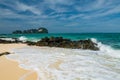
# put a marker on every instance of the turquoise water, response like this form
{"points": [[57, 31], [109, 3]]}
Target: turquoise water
{"points": [[111, 39]]}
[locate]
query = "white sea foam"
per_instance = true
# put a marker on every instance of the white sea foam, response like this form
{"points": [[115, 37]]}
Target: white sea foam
{"points": [[22, 38], [70, 64], [105, 49], [8, 39]]}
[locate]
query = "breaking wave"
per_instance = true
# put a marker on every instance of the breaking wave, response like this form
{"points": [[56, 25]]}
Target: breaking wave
{"points": [[22, 38]]}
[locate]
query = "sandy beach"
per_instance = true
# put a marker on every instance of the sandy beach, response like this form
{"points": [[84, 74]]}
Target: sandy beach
{"points": [[10, 70]]}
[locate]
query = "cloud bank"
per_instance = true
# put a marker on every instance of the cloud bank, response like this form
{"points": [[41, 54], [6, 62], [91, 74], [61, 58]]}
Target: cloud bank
{"points": [[59, 14]]}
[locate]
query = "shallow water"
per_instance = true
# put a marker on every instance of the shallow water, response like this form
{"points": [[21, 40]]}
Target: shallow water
{"points": [[69, 64], [111, 39]]}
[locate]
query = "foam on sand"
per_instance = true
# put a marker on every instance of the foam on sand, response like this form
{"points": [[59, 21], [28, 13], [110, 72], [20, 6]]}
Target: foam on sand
{"points": [[70, 64], [9, 69]]}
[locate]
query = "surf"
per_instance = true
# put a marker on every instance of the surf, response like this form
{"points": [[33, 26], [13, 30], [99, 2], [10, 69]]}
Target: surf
{"points": [[53, 63]]}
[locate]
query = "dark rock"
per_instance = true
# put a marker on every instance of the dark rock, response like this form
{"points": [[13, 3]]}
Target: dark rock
{"points": [[46, 39], [42, 30], [30, 43], [5, 41], [5, 53], [17, 32], [3, 37], [67, 43], [15, 40], [29, 31], [58, 42]]}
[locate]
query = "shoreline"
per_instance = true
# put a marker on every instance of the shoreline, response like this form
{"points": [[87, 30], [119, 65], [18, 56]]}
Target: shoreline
{"points": [[9, 69], [51, 63]]}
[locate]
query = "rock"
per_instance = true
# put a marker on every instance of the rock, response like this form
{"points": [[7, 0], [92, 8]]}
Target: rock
{"points": [[5, 53], [30, 31], [17, 32], [45, 39], [42, 30], [13, 40], [5, 41], [30, 43], [67, 43], [58, 42]]}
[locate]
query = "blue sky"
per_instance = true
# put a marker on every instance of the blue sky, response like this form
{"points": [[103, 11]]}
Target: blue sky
{"points": [[66, 16]]}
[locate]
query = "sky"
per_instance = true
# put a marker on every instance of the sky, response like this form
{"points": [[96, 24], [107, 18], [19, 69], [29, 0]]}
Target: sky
{"points": [[60, 16]]}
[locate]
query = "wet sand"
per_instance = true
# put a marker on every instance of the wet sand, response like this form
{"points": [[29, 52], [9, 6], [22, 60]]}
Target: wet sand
{"points": [[10, 70]]}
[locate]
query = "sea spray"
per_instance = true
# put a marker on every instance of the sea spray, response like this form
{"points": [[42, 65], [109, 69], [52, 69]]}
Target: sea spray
{"points": [[106, 49], [22, 38]]}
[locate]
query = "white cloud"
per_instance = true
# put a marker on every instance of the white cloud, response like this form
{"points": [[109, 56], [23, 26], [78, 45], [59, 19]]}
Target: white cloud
{"points": [[108, 12], [76, 16], [93, 5], [19, 6], [6, 13], [60, 9], [59, 6], [24, 7], [9, 14], [113, 10], [63, 2]]}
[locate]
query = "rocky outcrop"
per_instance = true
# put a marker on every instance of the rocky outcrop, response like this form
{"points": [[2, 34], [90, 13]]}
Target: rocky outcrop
{"points": [[5, 53], [17, 32], [42, 30], [58, 42], [30, 43], [66, 43], [29, 31]]}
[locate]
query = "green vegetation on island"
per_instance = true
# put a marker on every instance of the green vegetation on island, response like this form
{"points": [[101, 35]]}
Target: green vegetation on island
{"points": [[29, 31]]}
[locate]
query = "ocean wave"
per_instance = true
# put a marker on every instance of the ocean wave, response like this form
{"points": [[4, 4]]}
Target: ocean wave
{"points": [[23, 38], [106, 49], [70, 64]]}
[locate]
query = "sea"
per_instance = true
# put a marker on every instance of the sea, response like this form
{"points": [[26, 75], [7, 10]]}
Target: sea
{"points": [[53, 63]]}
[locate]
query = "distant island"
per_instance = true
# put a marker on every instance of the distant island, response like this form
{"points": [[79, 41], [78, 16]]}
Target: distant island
{"points": [[29, 31]]}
